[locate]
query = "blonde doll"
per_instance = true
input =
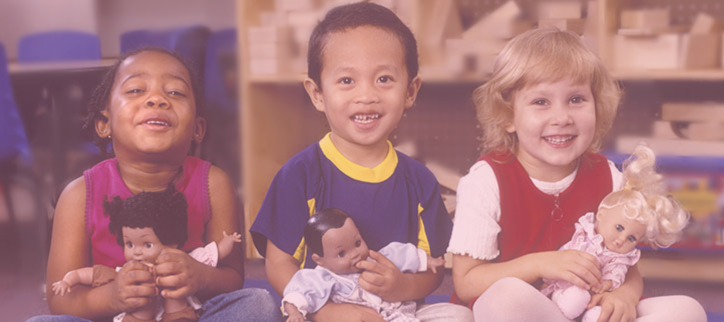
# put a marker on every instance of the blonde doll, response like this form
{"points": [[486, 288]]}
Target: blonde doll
{"points": [[641, 212]]}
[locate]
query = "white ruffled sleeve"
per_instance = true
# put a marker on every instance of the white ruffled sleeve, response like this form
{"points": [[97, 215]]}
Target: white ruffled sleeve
{"points": [[208, 254], [475, 231]]}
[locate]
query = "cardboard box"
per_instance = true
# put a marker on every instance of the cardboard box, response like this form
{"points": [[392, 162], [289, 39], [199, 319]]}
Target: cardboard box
{"points": [[576, 25], [705, 24], [701, 51], [645, 19], [559, 9]]}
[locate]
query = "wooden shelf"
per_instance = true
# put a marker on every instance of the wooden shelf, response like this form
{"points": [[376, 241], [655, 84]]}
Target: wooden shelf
{"points": [[682, 267], [674, 75]]}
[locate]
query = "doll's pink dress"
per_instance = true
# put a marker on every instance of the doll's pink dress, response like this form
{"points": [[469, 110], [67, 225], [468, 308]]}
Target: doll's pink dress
{"points": [[572, 300]]}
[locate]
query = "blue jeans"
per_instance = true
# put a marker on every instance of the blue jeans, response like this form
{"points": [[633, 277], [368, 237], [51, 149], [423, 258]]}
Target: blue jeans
{"points": [[249, 304]]}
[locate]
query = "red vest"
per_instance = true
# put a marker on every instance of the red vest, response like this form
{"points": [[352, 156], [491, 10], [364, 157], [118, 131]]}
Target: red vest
{"points": [[532, 221]]}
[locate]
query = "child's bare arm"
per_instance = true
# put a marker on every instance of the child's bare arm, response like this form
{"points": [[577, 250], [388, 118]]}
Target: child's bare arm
{"points": [[606, 285], [293, 313], [227, 243]]}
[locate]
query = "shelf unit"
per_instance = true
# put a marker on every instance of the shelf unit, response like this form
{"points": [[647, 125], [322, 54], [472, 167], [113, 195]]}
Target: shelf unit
{"points": [[277, 119]]}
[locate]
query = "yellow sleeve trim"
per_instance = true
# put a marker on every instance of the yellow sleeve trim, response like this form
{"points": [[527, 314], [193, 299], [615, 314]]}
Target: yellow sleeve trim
{"points": [[301, 253], [422, 241]]}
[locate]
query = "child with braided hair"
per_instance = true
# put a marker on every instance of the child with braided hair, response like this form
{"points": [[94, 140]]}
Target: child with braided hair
{"points": [[641, 212], [145, 224]]}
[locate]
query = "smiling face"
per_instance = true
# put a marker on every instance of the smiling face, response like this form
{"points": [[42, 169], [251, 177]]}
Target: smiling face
{"points": [[620, 233], [141, 244], [343, 249], [554, 124], [364, 86], [151, 108]]}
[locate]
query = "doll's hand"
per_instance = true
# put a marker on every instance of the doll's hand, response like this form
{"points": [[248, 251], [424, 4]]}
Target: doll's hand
{"points": [[345, 312], [61, 287], [235, 237], [178, 274], [614, 308], [576, 267], [605, 286], [133, 287], [381, 278], [433, 264]]}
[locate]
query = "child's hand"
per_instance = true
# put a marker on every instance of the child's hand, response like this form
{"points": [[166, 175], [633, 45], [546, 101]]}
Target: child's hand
{"points": [[133, 287], [178, 274], [614, 307], [576, 267], [61, 287], [434, 264], [381, 278]]}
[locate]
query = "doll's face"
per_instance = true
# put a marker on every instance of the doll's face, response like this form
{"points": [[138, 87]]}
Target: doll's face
{"points": [[141, 244], [620, 234], [343, 249]]}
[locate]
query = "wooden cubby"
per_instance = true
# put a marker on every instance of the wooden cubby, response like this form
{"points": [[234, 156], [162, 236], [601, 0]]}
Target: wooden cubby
{"points": [[277, 119]]}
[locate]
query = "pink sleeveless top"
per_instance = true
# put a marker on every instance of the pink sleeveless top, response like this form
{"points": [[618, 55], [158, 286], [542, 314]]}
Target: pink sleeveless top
{"points": [[104, 180]]}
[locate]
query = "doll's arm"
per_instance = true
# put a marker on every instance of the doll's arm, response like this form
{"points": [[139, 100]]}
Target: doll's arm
{"points": [[293, 313], [434, 264], [606, 285], [82, 275], [227, 243]]}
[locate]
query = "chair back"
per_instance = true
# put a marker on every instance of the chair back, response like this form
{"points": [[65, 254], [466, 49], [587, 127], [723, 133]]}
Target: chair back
{"points": [[59, 46], [13, 140], [221, 73]]}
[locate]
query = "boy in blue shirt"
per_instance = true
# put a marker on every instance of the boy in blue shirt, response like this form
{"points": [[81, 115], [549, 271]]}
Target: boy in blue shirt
{"points": [[362, 68]]}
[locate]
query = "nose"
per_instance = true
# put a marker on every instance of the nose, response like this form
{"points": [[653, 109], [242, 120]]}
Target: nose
{"points": [[156, 100], [367, 93], [562, 115]]}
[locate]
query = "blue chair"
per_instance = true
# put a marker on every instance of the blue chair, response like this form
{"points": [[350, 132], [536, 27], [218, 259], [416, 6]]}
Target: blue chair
{"points": [[189, 41], [59, 46], [24, 238], [221, 145]]}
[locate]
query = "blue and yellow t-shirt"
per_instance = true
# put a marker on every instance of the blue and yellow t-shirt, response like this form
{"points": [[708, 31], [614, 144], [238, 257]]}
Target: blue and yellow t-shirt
{"points": [[399, 200]]}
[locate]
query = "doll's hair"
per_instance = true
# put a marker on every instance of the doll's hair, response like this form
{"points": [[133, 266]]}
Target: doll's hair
{"points": [[163, 211], [533, 57], [346, 17], [318, 224], [100, 98], [645, 200]]}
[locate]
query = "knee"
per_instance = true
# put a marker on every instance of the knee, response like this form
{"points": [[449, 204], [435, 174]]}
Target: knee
{"points": [[503, 297], [689, 310]]}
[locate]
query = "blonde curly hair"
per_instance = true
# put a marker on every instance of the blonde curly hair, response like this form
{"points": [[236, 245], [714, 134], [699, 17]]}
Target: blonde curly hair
{"points": [[645, 200], [533, 57]]}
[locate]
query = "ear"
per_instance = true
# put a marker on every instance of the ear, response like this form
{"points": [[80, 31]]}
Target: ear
{"points": [[315, 94], [103, 128], [199, 129], [317, 259], [510, 127], [412, 89]]}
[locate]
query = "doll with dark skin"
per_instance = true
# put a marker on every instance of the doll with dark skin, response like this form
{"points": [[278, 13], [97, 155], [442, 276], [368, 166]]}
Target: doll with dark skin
{"points": [[338, 249], [144, 225]]}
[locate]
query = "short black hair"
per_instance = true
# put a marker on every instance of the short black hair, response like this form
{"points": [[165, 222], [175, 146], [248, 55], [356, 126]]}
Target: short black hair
{"points": [[163, 211], [100, 98], [356, 15], [320, 223]]}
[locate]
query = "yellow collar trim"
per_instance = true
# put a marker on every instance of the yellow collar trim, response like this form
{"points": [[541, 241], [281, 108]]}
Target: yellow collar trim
{"points": [[373, 175]]}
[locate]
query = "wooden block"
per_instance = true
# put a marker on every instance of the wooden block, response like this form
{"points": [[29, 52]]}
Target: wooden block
{"points": [[705, 24], [409, 148], [680, 147], [704, 131], [273, 18], [488, 26], [304, 18], [576, 25], [260, 50], [268, 66], [297, 5], [701, 51], [663, 130], [657, 52], [444, 23], [647, 19], [463, 56], [447, 177], [267, 34], [559, 9], [693, 112]]}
